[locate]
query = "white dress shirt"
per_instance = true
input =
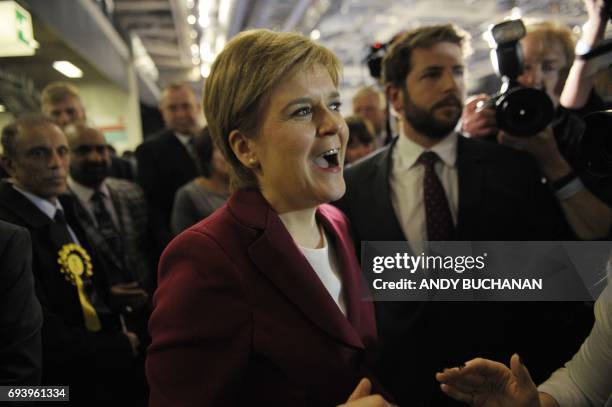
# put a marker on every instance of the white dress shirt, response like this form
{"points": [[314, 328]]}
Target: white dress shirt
{"points": [[84, 195], [47, 208], [406, 183], [185, 139]]}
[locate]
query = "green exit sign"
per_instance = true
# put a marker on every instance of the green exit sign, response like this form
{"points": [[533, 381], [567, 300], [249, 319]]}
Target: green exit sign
{"points": [[16, 32]]}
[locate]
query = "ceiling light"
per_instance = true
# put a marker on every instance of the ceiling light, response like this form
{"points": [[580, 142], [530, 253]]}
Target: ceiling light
{"points": [[191, 19], [68, 69], [205, 70], [204, 7], [190, 4], [224, 12], [315, 34], [204, 21], [194, 74], [220, 43], [206, 52]]}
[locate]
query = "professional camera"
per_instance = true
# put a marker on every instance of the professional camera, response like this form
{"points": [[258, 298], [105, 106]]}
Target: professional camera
{"points": [[374, 59], [519, 110]]}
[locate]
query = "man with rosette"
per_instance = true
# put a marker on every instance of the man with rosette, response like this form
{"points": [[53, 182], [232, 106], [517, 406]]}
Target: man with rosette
{"points": [[83, 344]]}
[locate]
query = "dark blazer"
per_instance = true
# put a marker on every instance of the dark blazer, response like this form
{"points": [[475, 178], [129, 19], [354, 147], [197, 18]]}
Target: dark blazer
{"points": [[121, 168], [20, 314], [164, 165], [131, 209], [241, 318], [71, 355], [501, 198]]}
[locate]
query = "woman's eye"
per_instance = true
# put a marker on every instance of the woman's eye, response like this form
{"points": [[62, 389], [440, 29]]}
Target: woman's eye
{"points": [[301, 112], [335, 106]]}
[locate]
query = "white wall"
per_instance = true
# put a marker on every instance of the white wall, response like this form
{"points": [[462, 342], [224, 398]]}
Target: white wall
{"points": [[108, 105], [5, 118]]}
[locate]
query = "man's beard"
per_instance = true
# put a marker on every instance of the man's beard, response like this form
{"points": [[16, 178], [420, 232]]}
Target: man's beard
{"points": [[91, 174], [424, 121]]}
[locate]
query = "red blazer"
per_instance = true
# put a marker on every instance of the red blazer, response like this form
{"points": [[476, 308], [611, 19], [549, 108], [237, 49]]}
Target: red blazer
{"points": [[241, 318]]}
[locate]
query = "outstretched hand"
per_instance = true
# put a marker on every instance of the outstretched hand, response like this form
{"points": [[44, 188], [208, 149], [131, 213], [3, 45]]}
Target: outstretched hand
{"points": [[361, 396], [486, 383]]}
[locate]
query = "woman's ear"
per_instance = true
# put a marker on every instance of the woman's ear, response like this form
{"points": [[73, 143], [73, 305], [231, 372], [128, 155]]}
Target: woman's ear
{"points": [[243, 148]]}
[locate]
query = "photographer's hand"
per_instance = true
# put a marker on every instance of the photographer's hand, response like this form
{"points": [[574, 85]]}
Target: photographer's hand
{"points": [[588, 216], [598, 18], [543, 147], [578, 85], [478, 122]]}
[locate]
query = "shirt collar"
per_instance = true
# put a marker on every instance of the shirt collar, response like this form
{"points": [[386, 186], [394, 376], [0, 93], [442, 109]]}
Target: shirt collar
{"points": [[84, 193], [183, 138], [408, 152], [44, 205]]}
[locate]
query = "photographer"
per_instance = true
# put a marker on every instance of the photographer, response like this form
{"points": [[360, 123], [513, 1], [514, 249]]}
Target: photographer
{"points": [[548, 50]]}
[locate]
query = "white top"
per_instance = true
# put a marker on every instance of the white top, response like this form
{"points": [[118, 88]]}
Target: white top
{"points": [[406, 183], [84, 194], [324, 262], [586, 380]]}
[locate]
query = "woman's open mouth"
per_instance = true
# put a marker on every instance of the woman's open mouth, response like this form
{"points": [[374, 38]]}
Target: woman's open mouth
{"points": [[329, 159]]}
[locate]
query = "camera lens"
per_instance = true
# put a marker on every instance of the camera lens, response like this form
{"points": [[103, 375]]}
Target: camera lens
{"points": [[523, 111]]}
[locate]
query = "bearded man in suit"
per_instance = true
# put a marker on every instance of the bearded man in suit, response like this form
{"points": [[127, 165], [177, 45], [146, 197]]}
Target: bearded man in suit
{"points": [[433, 184]]}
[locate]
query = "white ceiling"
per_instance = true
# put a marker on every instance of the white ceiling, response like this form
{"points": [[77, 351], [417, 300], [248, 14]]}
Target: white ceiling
{"points": [[347, 27]]}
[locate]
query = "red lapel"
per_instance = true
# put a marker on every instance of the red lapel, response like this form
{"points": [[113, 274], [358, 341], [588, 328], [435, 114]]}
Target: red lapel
{"points": [[276, 255]]}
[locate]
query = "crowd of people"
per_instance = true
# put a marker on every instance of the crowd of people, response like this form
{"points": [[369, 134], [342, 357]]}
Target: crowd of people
{"points": [[222, 267]]}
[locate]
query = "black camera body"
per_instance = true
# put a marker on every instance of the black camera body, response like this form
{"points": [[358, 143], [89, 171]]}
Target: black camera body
{"points": [[375, 58], [519, 110]]}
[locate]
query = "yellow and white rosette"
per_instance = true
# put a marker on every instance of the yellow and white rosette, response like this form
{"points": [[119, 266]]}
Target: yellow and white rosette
{"points": [[74, 263]]}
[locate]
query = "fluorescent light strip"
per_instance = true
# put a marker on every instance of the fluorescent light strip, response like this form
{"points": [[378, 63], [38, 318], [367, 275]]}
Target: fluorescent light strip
{"points": [[68, 69]]}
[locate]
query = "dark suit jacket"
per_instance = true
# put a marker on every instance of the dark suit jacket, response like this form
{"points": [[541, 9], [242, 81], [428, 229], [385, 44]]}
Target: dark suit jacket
{"points": [[131, 209], [121, 168], [20, 314], [71, 355], [241, 318], [501, 198], [164, 165]]}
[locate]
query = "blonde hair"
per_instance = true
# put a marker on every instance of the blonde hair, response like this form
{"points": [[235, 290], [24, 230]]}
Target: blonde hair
{"points": [[58, 91], [370, 90], [240, 82], [548, 32]]}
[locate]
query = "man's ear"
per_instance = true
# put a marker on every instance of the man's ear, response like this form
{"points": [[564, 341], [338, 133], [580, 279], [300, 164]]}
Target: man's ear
{"points": [[243, 148], [395, 96], [8, 165]]}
